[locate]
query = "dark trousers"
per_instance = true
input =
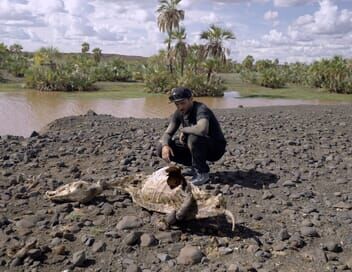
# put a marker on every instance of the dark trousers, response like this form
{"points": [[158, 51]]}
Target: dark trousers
{"points": [[196, 152]]}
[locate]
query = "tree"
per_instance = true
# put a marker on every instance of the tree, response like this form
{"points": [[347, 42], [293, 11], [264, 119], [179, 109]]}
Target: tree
{"points": [[196, 54], [215, 37], [15, 48], [214, 48], [180, 46], [169, 19], [97, 53], [85, 47], [248, 63]]}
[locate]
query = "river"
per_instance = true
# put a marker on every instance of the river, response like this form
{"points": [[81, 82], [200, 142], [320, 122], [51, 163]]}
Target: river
{"points": [[24, 111]]}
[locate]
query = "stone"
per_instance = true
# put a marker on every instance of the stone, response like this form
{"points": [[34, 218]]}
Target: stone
{"points": [[309, 232], [148, 240], [99, 246], [79, 258], [133, 268], [132, 238], [169, 237], [283, 234], [189, 255], [163, 257], [333, 247], [129, 222]]}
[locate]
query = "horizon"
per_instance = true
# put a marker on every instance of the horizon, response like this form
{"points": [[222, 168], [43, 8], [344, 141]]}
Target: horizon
{"points": [[290, 30]]}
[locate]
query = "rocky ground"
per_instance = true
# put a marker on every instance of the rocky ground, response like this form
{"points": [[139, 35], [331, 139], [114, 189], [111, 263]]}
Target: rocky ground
{"points": [[287, 177]]}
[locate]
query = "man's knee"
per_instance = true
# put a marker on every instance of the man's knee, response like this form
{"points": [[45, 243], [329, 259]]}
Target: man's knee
{"points": [[194, 141]]}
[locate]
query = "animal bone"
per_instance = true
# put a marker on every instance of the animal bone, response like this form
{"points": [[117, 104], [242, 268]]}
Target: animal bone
{"points": [[156, 192], [78, 191]]}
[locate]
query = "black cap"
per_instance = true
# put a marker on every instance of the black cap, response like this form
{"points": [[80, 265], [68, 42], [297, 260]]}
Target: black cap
{"points": [[180, 93]]}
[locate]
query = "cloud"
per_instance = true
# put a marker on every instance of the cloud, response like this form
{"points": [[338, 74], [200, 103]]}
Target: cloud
{"points": [[271, 15], [327, 20]]}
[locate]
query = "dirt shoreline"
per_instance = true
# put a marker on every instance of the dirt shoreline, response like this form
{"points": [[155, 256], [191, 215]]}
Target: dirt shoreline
{"points": [[286, 175]]}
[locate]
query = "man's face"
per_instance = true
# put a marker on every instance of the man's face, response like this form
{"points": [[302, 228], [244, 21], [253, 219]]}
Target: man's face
{"points": [[184, 105]]}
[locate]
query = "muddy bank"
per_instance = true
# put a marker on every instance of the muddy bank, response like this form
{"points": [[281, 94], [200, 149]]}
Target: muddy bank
{"points": [[286, 176]]}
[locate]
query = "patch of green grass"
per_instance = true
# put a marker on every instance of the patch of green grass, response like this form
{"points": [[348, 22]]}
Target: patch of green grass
{"points": [[113, 90], [107, 90], [234, 83]]}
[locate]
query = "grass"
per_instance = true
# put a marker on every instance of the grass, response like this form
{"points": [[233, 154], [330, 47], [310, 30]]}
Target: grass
{"points": [[106, 90], [247, 90], [123, 90]]}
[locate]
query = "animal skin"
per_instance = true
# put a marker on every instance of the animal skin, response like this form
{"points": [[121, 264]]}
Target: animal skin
{"points": [[164, 191], [154, 193]]}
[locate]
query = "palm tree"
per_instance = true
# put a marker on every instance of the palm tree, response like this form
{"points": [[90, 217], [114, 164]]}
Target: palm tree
{"points": [[215, 49], [85, 47], [180, 47], [15, 48], [97, 54], [196, 55], [215, 37], [169, 19]]}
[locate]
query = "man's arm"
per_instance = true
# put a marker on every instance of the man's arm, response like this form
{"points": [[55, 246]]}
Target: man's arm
{"points": [[170, 131], [200, 129]]}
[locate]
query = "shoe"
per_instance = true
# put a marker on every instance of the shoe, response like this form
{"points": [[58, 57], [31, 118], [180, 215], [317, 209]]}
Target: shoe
{"points": [[200, 179], [189, 172]]}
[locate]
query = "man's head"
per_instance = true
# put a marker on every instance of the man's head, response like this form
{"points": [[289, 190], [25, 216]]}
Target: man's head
{"points": [[182, 97]]}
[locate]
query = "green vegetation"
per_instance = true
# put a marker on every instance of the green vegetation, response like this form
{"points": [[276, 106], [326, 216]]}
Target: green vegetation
{"points": [[193, 66], [197, 66], [333, 74], [290, 91]]}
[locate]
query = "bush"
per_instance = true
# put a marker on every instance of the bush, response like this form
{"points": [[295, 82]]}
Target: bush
{"points": [[116, 70], [200, 86], [272, 78], [63, 77], [159, 81]]}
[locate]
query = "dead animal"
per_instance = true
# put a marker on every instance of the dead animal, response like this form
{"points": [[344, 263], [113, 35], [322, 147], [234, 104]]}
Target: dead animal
{"points": [[78, 191], [165, 191]]}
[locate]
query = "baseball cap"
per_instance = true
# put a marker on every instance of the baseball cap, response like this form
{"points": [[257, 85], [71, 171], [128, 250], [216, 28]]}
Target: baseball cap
{"points": [[180, 93]]}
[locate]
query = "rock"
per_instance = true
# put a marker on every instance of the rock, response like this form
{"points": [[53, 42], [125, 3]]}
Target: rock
{"points": [[34, 134], [309, 232], [283, 235], [289, 183], [148, 240], [59, 250], [132, 238], [333, 247], [189, 255], [99, 246], [133, 268], [169, 237], [343, 205], [163, 257], [267, 195], [79, 258], [225, 250], [91, 113], [129, 222], [234, 268]]}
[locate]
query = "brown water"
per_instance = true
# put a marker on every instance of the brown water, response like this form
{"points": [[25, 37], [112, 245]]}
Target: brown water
{"points": [[22, 112]]}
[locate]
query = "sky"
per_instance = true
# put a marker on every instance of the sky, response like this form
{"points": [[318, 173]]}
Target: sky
{"points": [[290, 30]]}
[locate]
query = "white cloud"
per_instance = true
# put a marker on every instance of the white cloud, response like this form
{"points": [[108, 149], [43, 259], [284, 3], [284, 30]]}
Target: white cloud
{"points": [[327, 20], [271, 15], [290, 3]]}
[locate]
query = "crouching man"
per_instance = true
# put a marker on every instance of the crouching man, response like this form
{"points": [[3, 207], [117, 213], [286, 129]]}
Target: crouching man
{"points": [[201, 138]]}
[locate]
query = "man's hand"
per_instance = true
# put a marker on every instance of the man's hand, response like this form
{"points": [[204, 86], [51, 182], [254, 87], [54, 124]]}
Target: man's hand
{"points": [[166, 152], [182, 138]]}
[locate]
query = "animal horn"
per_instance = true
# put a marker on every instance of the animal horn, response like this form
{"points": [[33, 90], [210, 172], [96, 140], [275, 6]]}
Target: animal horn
{"points": [[232, 217]]}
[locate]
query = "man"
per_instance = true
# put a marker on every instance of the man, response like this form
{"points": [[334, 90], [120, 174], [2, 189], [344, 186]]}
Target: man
{"points": [[201, 138]]}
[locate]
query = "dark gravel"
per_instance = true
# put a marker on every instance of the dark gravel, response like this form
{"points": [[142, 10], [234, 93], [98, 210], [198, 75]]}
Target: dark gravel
{"points": [[287, 176]]}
